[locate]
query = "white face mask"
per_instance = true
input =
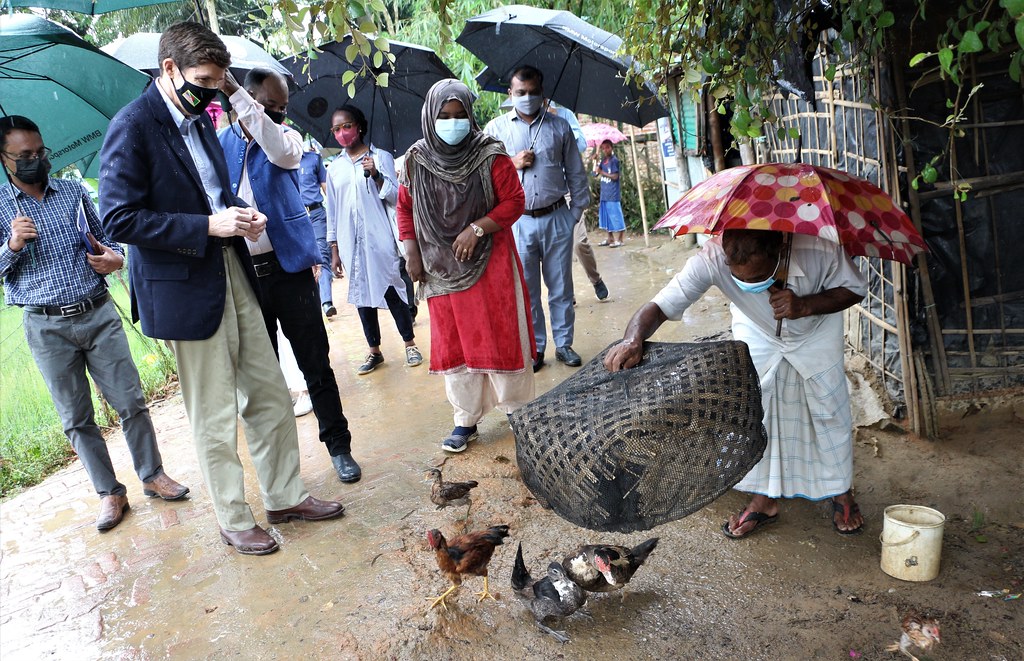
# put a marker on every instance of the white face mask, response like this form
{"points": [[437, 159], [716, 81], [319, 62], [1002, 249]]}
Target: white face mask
{"points": [[452, 131], [528, 104]]}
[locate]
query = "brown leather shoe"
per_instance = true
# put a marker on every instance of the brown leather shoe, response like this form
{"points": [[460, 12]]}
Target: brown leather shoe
{"points": [[311, 509], [164, 487], [254, 541], [112, 509]]}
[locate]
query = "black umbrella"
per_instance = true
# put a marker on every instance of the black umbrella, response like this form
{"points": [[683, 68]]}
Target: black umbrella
{"points": [[581, 68], [393, 112]]}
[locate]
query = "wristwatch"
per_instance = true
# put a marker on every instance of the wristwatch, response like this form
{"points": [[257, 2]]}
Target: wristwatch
{"points": [[479, 231]]}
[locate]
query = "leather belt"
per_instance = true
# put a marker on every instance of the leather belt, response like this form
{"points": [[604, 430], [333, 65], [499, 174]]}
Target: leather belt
{"points": [[543, 211], [314, 206], [72, 310], [266, 264], [222, 242]]}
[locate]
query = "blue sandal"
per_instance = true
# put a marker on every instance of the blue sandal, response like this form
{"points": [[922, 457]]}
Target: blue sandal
{"points": [[459, 439]]}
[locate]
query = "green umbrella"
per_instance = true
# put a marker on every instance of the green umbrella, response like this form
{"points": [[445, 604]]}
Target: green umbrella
{"points": [[68, 87], [90, 7]]}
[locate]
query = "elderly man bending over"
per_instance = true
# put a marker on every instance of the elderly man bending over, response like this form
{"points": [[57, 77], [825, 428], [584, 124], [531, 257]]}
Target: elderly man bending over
{"points": [[803, 383]]}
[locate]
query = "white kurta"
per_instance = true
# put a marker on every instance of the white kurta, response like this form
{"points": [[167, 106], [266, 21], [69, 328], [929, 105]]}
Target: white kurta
{"points": [[358, 221], [803, 382]]}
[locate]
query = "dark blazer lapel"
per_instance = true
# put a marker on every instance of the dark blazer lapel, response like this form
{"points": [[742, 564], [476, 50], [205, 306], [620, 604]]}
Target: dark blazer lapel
{"points": [[170, 133]]}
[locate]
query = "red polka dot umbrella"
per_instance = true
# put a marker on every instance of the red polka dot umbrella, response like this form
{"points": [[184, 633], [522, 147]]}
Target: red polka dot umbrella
{"points": [[801, 199]]}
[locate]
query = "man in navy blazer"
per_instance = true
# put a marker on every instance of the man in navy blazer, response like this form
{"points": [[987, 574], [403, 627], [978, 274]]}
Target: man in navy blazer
{"points": [[164, 190], [263, 166]]}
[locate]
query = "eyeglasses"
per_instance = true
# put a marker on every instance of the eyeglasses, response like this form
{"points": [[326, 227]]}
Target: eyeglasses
{"points": [[30, 156], [342, 127]]}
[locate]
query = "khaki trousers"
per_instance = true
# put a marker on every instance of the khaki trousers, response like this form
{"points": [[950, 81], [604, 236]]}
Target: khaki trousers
{"points": [[234, 373], [585, 252]]}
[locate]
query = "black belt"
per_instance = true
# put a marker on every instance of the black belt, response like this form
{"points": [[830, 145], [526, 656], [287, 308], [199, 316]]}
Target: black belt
{"points": [[266, 264], [543, 211], [222, 242], [72, 310], [314, 206]]}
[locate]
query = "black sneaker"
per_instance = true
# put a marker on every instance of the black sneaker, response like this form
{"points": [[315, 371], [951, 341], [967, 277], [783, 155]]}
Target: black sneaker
{"points": [[370, 364], [329, 309], [601, 290]]}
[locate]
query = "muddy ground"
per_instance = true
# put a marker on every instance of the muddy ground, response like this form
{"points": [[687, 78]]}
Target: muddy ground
{"points": [[162, 585]]}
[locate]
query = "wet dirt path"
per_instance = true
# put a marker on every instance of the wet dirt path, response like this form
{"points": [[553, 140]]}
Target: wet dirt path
{"points": [[162, 585]]}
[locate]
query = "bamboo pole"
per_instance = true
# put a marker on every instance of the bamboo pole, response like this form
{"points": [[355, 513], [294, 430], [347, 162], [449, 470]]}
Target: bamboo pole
{"points": [[938, 347], [211, 12], [639, 187]]}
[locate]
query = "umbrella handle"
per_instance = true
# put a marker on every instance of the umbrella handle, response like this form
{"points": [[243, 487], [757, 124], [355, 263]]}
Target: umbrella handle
{"points": [[788, 247]]}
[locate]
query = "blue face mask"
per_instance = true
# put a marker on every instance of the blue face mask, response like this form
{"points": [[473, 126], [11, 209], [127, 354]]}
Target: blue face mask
{"points": [[757, 287], [452, 131]]}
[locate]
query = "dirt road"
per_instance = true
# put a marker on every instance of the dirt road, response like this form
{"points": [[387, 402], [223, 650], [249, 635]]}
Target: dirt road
{"points": [[162, 585]]}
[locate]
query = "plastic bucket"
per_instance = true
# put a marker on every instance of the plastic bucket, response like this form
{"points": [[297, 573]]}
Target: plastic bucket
{"points": [[912, 542]]}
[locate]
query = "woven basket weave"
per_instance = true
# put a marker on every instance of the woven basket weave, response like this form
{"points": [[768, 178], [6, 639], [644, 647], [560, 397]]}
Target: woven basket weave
{"points": [[634, 449]]}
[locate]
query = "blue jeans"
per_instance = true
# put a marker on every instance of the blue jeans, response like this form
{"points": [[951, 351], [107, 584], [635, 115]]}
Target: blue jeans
{"points": [[545, 249], [318, 217], [63, 348]]}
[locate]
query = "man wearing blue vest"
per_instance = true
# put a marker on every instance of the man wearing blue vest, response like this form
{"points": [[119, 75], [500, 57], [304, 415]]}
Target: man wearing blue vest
{"points": [[263, 166]]}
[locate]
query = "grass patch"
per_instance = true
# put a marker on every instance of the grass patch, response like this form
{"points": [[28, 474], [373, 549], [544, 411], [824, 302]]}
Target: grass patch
{"points": [[32, 440]]}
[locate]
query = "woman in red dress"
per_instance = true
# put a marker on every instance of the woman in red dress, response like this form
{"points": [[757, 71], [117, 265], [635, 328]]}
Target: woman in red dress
{"points": [[458, 199]]}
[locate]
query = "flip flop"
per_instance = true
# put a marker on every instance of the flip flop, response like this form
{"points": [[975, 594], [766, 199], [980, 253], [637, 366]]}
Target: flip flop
{"points": [[603, 243], [759, 519], [847, 512]]}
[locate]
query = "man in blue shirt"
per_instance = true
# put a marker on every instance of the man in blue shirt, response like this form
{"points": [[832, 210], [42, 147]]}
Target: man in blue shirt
{"points": [[54, 258], [312, 178], [544, 151]]}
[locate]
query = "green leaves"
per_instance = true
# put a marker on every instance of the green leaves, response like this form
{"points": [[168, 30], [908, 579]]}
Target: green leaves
{"points": [[971, 42], [920, 57], [1018, 31], [886, 20], [1014, 8], [946, 59], [929, 174]]}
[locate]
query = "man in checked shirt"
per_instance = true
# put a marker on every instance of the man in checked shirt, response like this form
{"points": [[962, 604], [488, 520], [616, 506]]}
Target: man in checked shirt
{"points": [[70, 324]]}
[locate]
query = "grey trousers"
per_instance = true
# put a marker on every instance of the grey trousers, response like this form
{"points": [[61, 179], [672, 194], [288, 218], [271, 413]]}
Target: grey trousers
{"points": [[63, 348], [585, 252], [233, 374]]}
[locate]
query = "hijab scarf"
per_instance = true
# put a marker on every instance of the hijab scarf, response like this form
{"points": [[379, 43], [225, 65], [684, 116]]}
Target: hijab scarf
{"points": [[451, 187]]}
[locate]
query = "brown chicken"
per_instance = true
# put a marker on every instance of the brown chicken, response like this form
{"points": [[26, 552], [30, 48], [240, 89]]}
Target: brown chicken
{"points": [[919, 631], [465, 554]]}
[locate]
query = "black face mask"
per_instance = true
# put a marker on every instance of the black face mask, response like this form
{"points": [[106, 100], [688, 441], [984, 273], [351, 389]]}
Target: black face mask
{"points": [[32, 171], [193, 97], [276, 117]]}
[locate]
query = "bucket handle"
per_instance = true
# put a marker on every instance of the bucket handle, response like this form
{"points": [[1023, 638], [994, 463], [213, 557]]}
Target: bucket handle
{"points": [[912, 537]]}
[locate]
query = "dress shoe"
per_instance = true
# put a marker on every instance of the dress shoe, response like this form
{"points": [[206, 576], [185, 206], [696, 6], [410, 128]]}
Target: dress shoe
{"points": [[164, 487], [538, 362], [346, 467], [601, 290], [112, 509], [568, 356], [311, 509], [254, 541]]}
